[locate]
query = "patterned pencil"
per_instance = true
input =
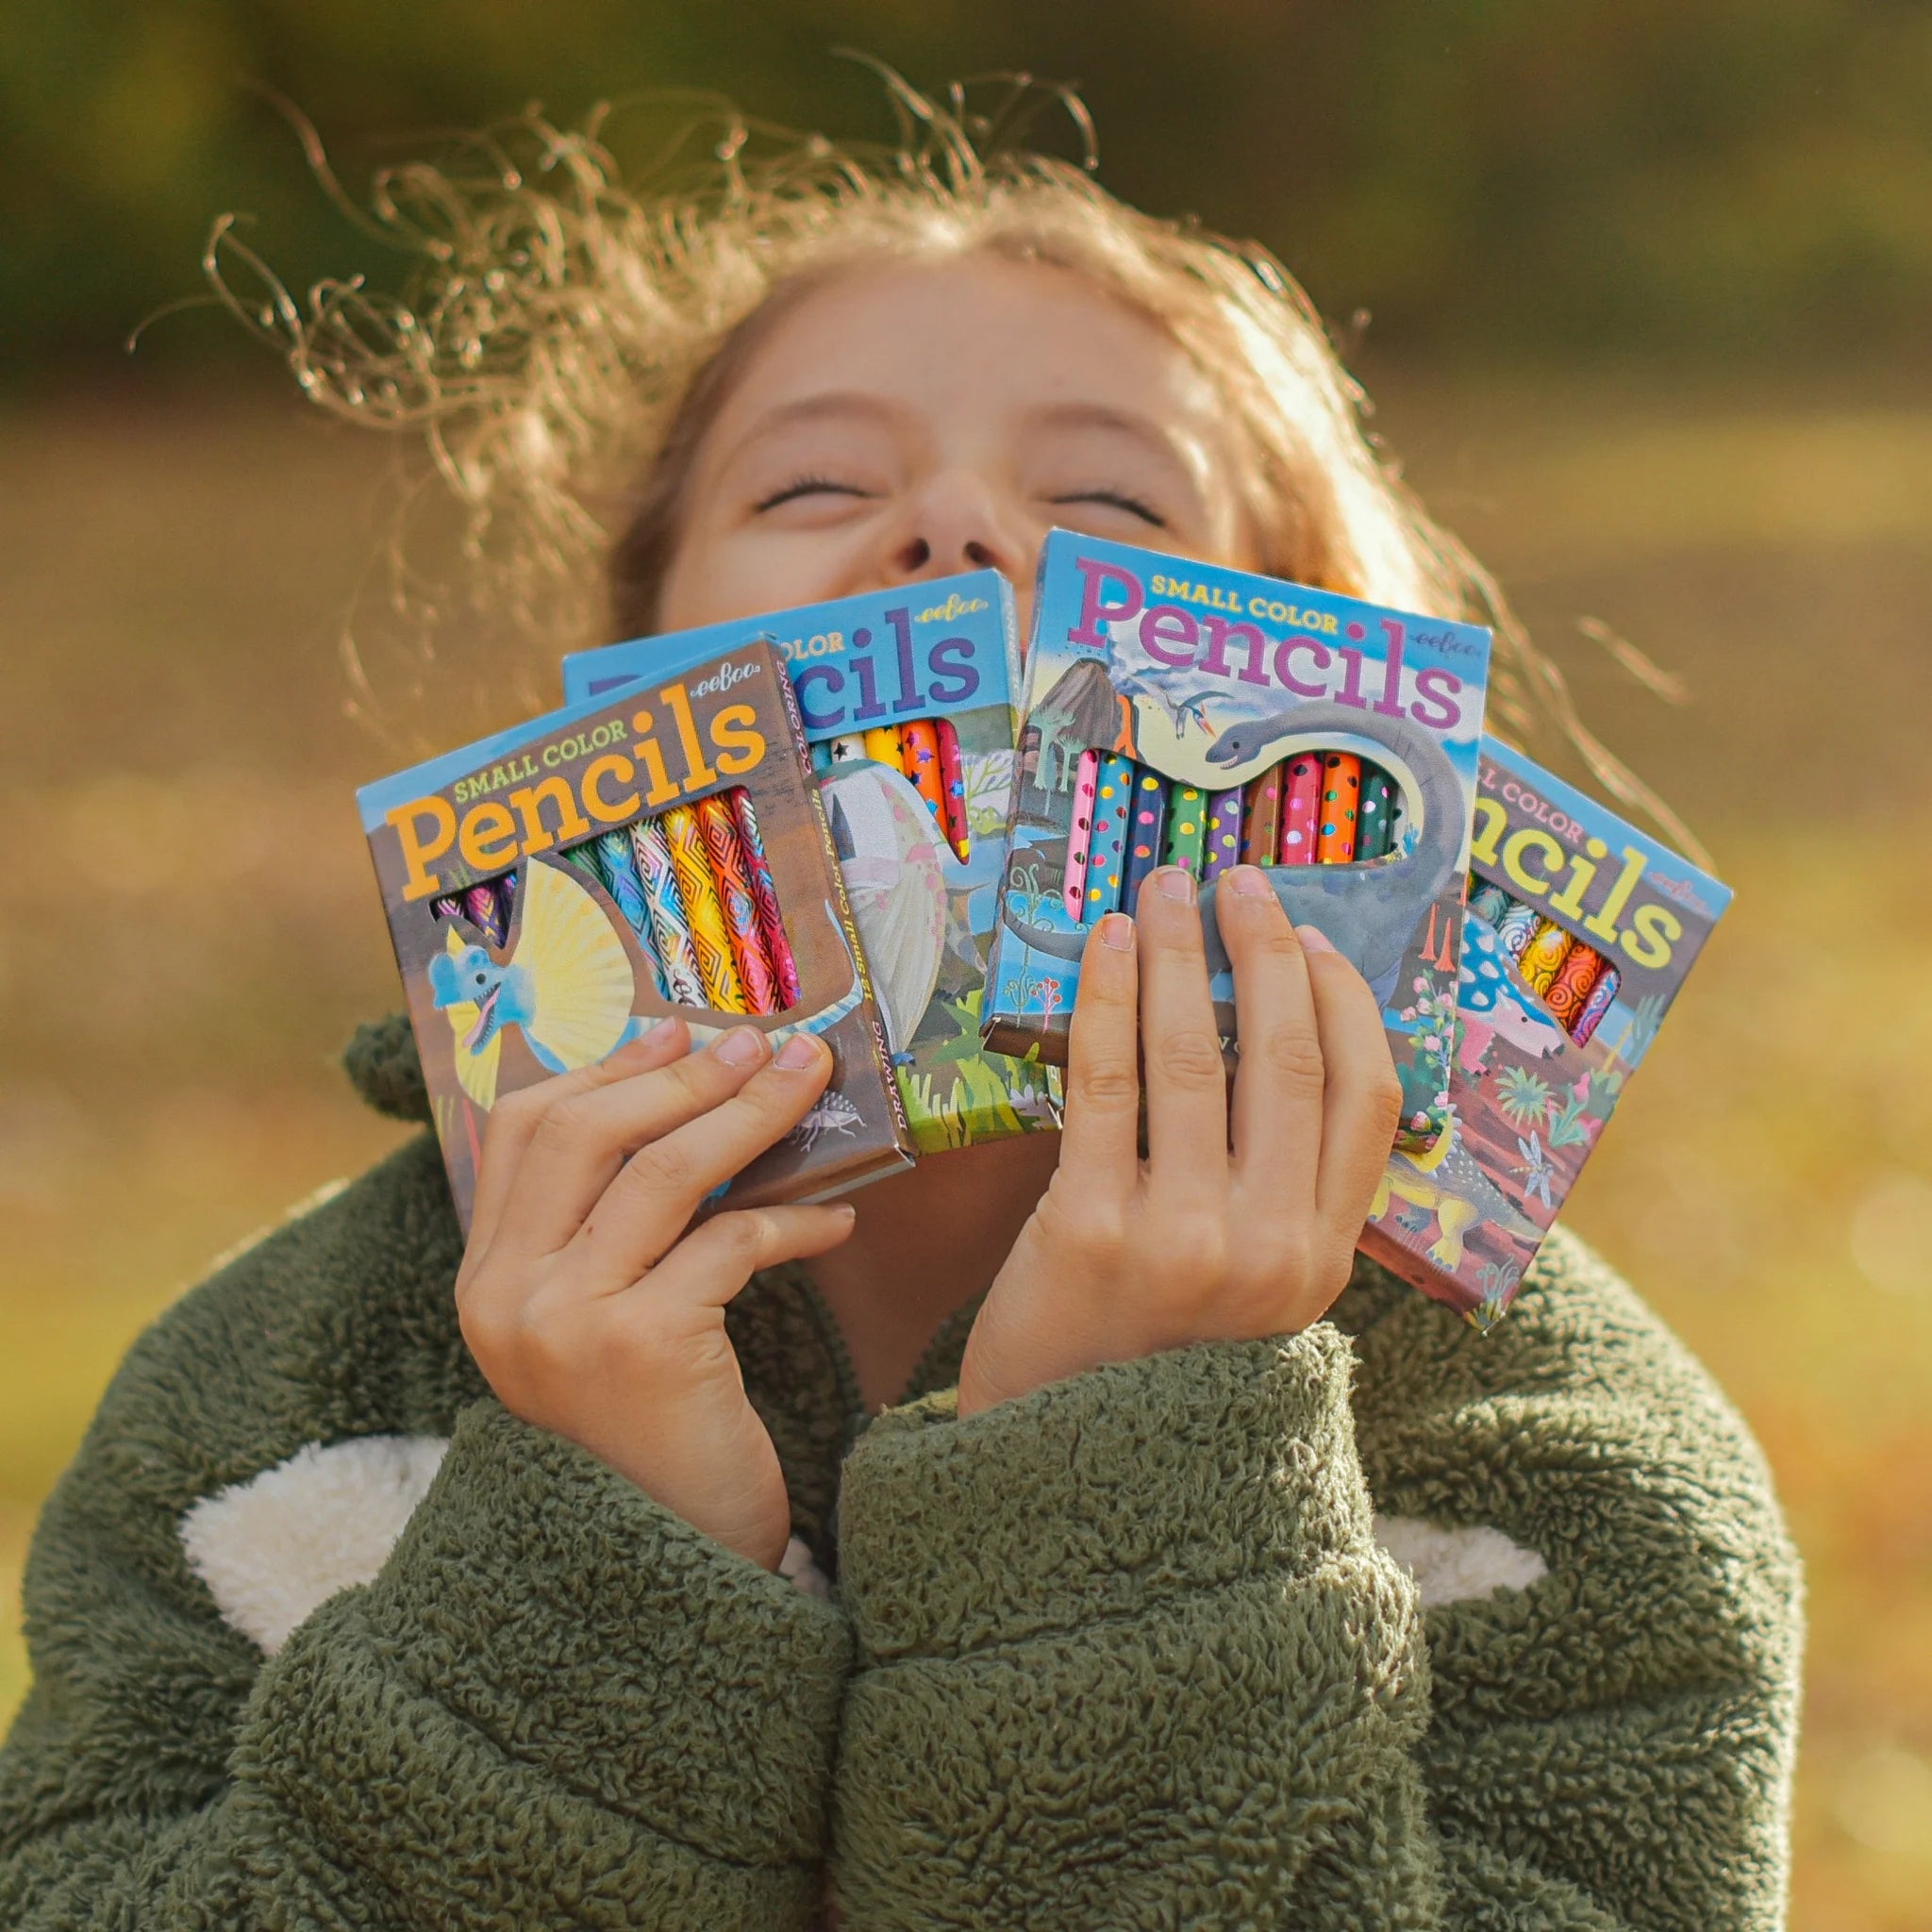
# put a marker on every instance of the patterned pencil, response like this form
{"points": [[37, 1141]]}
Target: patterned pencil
{"points": [[1487, 902], [1301, 809], [1596, 1006], [1515, 927], [1573, 980], [1261, 818], [881, 743], [710, 939], [1185, 838], [1224, 847], [1342, 786], [670, 929], [953, 786], [732, 877], [1147, 831], [821, 755], [765, 896], [449, 906], [1080, 836], [617, 872], [919, 758], [845, 750], [481, 909], [1113, 794], [1542, 957], [1375, 836]]}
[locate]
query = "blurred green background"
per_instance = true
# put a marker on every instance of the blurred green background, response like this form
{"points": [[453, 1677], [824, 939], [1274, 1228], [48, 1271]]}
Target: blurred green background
{"points": [[1641, 291]]}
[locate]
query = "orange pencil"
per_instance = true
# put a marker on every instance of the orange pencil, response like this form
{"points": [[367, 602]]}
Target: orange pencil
{"points": [[919, 758], [1341, 787]]}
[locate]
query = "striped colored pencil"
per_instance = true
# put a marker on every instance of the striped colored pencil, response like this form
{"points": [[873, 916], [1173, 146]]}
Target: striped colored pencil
{"points": [[710, 939], [617, 869], [1113, 796], [764, 894], [1224, 847], [670, 930], [881, 743], [732, 876], [919, 758], [1146, 833], [1515, 927], [1375, 836], [1542, 957], [1080, 836], [1488, 901], [953, 789], [1186, 828], [1573, 980], [1342, 786], [1596, 1006], [447, 905], [481, 909], [1301, 809], [1261, 818]]}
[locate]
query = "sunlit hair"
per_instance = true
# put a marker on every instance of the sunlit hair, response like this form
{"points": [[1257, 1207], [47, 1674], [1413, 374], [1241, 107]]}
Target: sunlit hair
{"points": [[566, 339]]}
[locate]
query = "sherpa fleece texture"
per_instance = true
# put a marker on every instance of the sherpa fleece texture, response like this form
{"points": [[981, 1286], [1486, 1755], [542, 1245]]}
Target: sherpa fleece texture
{"points": [[1124, 1654]]}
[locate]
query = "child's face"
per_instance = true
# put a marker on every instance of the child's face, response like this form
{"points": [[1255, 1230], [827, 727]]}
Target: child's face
{"points": [[911, 420]]}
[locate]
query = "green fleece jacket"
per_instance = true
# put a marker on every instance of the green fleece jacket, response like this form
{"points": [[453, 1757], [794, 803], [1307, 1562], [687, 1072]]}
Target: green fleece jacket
{"points": [[1382, 1625]]}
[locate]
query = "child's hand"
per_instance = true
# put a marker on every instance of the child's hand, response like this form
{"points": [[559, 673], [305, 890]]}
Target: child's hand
{"points": [[1124, 1257], [589, 1308]]}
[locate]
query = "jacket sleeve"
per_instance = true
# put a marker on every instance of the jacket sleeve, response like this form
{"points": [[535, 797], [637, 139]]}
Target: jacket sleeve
{"points": [[554, 1704], [1130, 1653]]}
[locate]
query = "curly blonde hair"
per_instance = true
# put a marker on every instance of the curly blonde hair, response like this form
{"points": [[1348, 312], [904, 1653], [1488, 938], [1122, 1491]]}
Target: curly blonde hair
{"points": [[565, 340]]}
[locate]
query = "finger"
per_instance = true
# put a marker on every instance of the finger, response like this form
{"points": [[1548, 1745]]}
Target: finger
{"points": [[713, 1262], [582, 1141], [1363, 1101], [1279, 1078], [645, 1207], [1100, 1128], [513, 1120], [1187, 1078]]}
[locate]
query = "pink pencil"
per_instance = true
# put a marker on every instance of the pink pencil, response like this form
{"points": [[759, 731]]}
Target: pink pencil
{"points": [[953, 789], [1080, 840], [1301, 809]]}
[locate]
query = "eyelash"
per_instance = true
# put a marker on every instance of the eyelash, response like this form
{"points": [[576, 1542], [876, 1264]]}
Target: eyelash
{"points": [[1119, 499], [806, 485]]}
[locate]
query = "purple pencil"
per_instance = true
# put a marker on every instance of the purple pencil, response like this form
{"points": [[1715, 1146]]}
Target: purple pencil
{"points": [[1224, 847]]}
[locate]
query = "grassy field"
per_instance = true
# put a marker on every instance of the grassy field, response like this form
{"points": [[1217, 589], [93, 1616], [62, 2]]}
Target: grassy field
{"points": [[192, 932]]}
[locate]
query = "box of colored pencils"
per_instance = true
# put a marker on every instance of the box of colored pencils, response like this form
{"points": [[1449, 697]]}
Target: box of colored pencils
{"points": [[907, 698], [1177, 713], [1577, 934], [556, 889]]}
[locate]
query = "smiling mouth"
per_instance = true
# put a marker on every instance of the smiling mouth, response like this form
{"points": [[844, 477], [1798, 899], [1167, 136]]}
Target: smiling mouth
{"points": [[486, 1018]]}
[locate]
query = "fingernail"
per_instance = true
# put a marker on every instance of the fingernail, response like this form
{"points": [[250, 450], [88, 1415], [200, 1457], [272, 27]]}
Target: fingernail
{"points": [[741, 1046], [1249, 882], [1117, 930], [1175, 882], [798, 1053], [658, 1031], [1314, 939]]}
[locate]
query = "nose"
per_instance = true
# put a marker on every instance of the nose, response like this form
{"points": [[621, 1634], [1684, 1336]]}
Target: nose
{"points": [[956, 523]]}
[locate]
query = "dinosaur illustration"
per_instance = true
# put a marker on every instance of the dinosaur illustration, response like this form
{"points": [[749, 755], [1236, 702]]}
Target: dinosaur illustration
{"points": [[1081, 711], [1490, 1001], [1449, 1183], [1368, 913], [567, 986]]}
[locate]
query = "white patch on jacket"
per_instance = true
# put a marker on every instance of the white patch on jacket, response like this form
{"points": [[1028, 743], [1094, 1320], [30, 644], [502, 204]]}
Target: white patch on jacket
{"points": [[1450, 1566]]}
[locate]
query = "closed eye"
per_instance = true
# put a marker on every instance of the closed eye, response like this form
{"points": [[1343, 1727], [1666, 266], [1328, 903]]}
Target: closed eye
{"points": [[809, 486], [1117, 499]]}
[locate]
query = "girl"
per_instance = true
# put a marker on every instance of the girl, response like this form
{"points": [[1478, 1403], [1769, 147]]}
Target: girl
{"points": [[1134, 1558]]}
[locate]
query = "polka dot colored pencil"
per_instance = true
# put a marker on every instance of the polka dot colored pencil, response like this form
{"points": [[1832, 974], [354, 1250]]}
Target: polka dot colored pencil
{"points": [[1223, 846], [1342, 786], [1080, 834], [1146, 833], [710, 939], [1301, 809], [765, 896], [670, 929], [1573, 980], [1375, 833], [1261, 818], [1514, 928], [732, 878], [953, 789], [1186, 828], [919, 758], [1596, 1005], [1542, 957], [1106, 851]]}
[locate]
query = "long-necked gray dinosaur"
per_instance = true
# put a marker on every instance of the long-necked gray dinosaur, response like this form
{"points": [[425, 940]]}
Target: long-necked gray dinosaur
{"points": [[1367, 912]]}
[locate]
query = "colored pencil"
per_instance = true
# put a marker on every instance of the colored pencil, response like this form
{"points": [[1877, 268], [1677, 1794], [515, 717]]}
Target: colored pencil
{"points": [[1301, 810], [1542, 957], [1573, 980], [449, 906], [1224, 847], [882, 746], [1185, 838], [1514, 928], [1113, 794], [1342, 786], [1080, 835], [710, 938], [953, 789], [1261, 818], [481, 909], [1596, 1006], [1487, 902], [919, 758], [670, 929], [1375, 836], [617, 872], [1147, 831], [845, 749], [732, 877], [765, 895], [821, 755]]}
